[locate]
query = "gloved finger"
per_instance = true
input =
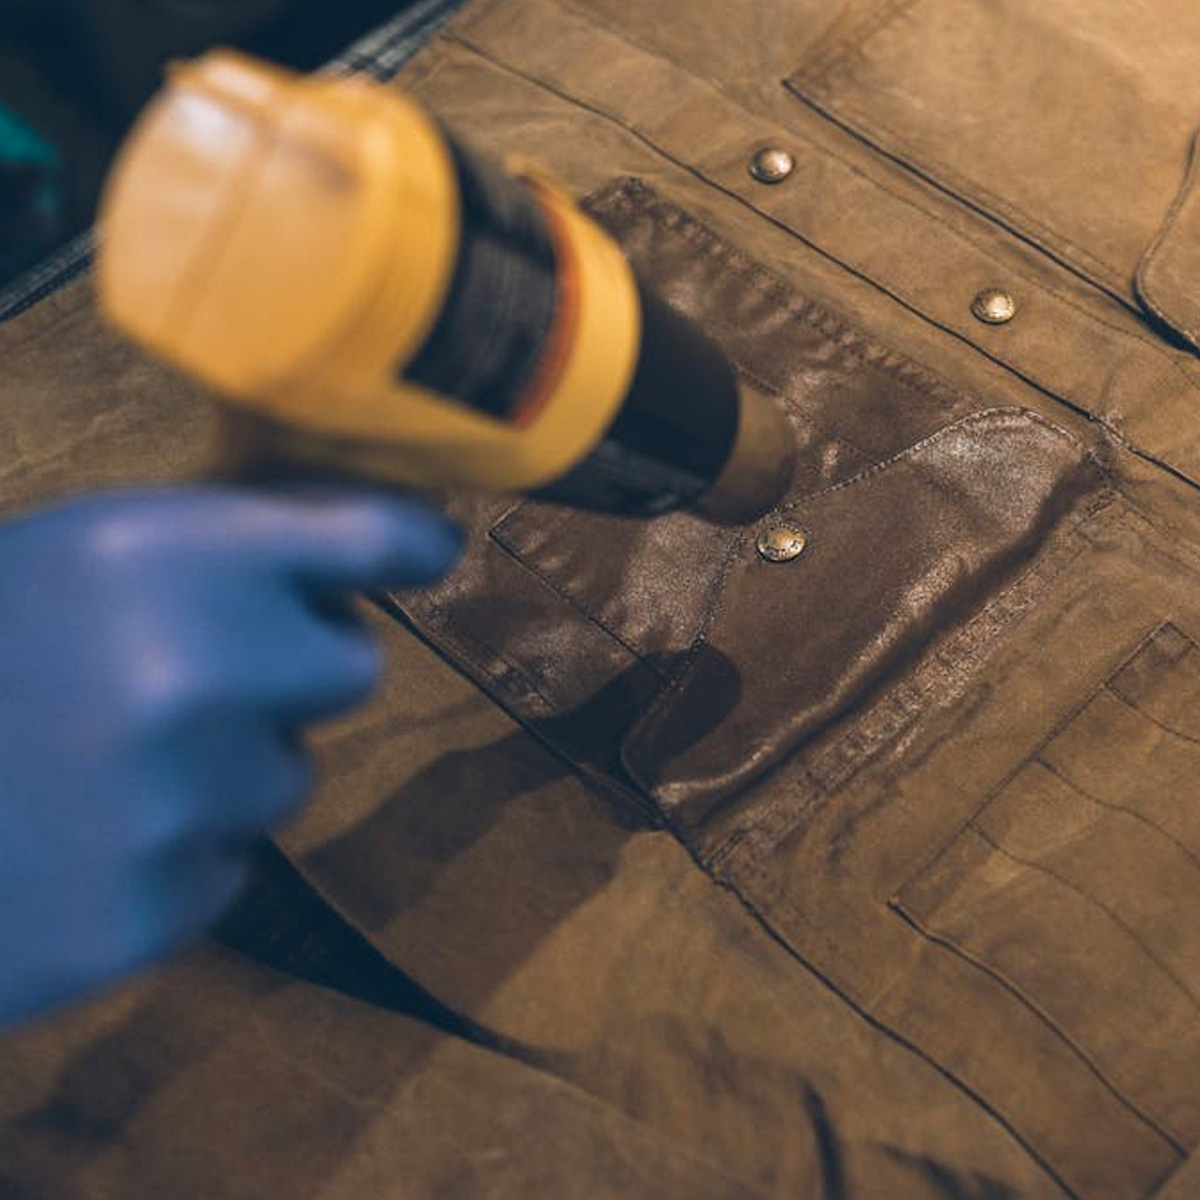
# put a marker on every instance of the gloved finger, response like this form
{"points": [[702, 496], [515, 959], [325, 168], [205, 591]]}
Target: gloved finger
{"points": [[335, 540], [313, 668], [181, 893], [255, 777], [268, 658], [158, 907]]}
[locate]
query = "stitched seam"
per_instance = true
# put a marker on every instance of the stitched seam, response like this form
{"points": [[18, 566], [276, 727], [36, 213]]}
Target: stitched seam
{"points": [[1059, 727], [1094, 901], [452, 646], [852, 117], [453, 641], [869, 352], [558, 589], [984, 415], [600, 21], [887, 289], [1045, 1019], [1125, 810], [1144, 284], [1150, 718], [997, 613], [1144, 279], [832, 768], [1015, 271], [716, 594], [646, 140], [1181, 553], [780, 393], [482, 656]]}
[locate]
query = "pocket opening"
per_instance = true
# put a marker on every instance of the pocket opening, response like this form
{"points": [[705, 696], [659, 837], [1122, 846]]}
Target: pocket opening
{"points": [[1045, 886]]}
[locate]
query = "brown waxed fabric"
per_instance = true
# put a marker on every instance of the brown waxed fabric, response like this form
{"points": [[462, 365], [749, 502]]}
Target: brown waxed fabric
{"points": [[343, 1099], [870, 874]]}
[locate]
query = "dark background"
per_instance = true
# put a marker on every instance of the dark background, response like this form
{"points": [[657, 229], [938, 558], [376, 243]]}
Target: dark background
{"points": [[74, 73]]}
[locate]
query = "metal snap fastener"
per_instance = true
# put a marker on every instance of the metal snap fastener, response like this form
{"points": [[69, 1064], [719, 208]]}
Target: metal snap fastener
{"points": [[994, 306], [772, 165], [782, 543]]}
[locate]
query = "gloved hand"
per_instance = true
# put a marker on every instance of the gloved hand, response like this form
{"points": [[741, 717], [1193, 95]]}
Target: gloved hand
{"points": [[159, 655]]}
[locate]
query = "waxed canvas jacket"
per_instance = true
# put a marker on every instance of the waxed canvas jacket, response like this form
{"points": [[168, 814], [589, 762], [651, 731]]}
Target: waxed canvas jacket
{"points": [[670, 871]]}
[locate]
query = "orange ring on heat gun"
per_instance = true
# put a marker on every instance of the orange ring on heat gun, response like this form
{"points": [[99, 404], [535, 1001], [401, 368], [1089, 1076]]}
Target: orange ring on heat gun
{"points": [[563, 328]]}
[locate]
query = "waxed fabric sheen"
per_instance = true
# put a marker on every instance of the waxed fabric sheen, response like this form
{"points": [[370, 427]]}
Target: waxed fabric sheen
{"points": [[869, 874]]}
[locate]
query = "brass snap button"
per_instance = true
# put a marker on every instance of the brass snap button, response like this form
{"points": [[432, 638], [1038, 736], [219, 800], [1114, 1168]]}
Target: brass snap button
{"points": [[782, 543], [994, 306], [772, 165]]}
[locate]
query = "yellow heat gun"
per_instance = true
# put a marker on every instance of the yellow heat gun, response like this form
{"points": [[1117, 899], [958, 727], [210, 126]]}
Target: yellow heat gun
{"points": [[378, 300]]}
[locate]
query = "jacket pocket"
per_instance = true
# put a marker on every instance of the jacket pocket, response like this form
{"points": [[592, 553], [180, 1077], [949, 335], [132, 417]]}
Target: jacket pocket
{"points": [[916, 507], [1068, 122], [903, 553], [1045, 888], [669, 656]]}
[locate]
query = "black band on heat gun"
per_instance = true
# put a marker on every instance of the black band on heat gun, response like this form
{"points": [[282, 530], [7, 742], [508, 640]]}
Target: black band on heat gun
{"points": [[494, 326], [676, 428]]}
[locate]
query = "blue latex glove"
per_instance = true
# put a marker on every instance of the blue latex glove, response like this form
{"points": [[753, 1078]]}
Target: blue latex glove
{"points": [[159, 655]]}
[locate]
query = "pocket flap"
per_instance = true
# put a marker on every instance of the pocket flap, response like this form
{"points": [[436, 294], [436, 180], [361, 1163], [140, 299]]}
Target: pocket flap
{"points": [[894, 556], [1168, 278]]}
